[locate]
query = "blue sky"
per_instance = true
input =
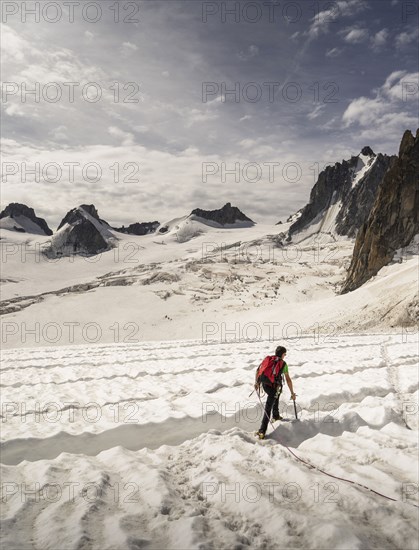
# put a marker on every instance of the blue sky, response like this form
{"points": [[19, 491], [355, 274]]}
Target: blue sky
{"points": [[340, 78]]}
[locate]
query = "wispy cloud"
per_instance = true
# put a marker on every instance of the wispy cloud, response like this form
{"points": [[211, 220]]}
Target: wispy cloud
{"points": [[334, 52], [249, 53], [354, 35], [379, 40]]}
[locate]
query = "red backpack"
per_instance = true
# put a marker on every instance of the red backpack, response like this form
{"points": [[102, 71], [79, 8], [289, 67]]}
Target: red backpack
{"points": [[269, 371]]}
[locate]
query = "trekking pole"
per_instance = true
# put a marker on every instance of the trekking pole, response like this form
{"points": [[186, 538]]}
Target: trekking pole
{"points": [[295, 410]]}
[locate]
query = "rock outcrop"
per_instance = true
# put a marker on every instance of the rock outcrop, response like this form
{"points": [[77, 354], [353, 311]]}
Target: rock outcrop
{"points": [[224, 216], [393, 220], [19, 217], [140, 228]]}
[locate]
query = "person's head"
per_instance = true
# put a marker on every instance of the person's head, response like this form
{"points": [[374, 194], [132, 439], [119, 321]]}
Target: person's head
{"points": [[280, 352]]}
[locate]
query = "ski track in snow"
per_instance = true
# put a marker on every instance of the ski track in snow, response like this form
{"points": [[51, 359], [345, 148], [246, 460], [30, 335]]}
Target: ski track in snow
{"points": [[212, 487]]}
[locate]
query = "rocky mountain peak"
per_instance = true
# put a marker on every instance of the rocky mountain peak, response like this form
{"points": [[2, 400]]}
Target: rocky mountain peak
{"points": [[367, 152], [343, 195], [226, 215], [407, 142], [79, 213], [17, 210]]}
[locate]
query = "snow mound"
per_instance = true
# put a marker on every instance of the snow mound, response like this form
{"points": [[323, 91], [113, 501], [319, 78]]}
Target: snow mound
{"points": [[185, 228]]}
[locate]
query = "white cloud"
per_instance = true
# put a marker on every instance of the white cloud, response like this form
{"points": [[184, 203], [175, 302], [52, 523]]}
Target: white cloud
{"points": [[405, 38], [126, 138], [316, 112], [390, 112], [14, 109], [166, 185], [401, 86], [354, 35], [248, 143], [379, 39], [14, 46], [129, 46], [321, 22], [245, 117]]}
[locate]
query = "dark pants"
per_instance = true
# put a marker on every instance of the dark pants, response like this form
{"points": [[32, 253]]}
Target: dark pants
{"points": [[271, 406]]}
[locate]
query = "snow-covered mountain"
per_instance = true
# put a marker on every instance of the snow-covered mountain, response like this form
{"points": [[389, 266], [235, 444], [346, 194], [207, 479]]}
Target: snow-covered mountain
{"points": [[81, 231], [19, 217], [342, 198], [200, 221]]}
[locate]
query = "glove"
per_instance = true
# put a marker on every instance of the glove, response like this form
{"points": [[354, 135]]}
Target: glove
{"points": [[257, 385], [293, 396]]}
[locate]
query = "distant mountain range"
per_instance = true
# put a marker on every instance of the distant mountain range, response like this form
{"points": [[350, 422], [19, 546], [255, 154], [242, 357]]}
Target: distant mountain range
{"points": [[371, 197]]}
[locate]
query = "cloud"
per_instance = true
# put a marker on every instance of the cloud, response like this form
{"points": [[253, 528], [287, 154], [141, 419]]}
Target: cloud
{"points": [[379, 40], [14, 109], [126, 137], [165, 185], [88, 37], [128, 47], [390, 112], [252, 51], [316, 112], [13, 45], [321, 22], [59, 133], [248, 143], [405, 38], [354, 35], [334, 52], [401, 85], [193, 116]]}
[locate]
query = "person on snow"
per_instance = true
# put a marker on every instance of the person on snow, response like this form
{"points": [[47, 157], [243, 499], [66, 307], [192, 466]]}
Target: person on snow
{"points": [[269, 374]]}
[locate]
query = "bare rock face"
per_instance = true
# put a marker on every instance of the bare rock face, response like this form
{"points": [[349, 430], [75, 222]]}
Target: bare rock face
{"points": [[18, 212], [140, 228], [352, 183], [226, 215], [393, 221]]}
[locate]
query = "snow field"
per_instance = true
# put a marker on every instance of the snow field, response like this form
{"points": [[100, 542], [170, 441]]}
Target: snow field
{"points": [[217, 487]]}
